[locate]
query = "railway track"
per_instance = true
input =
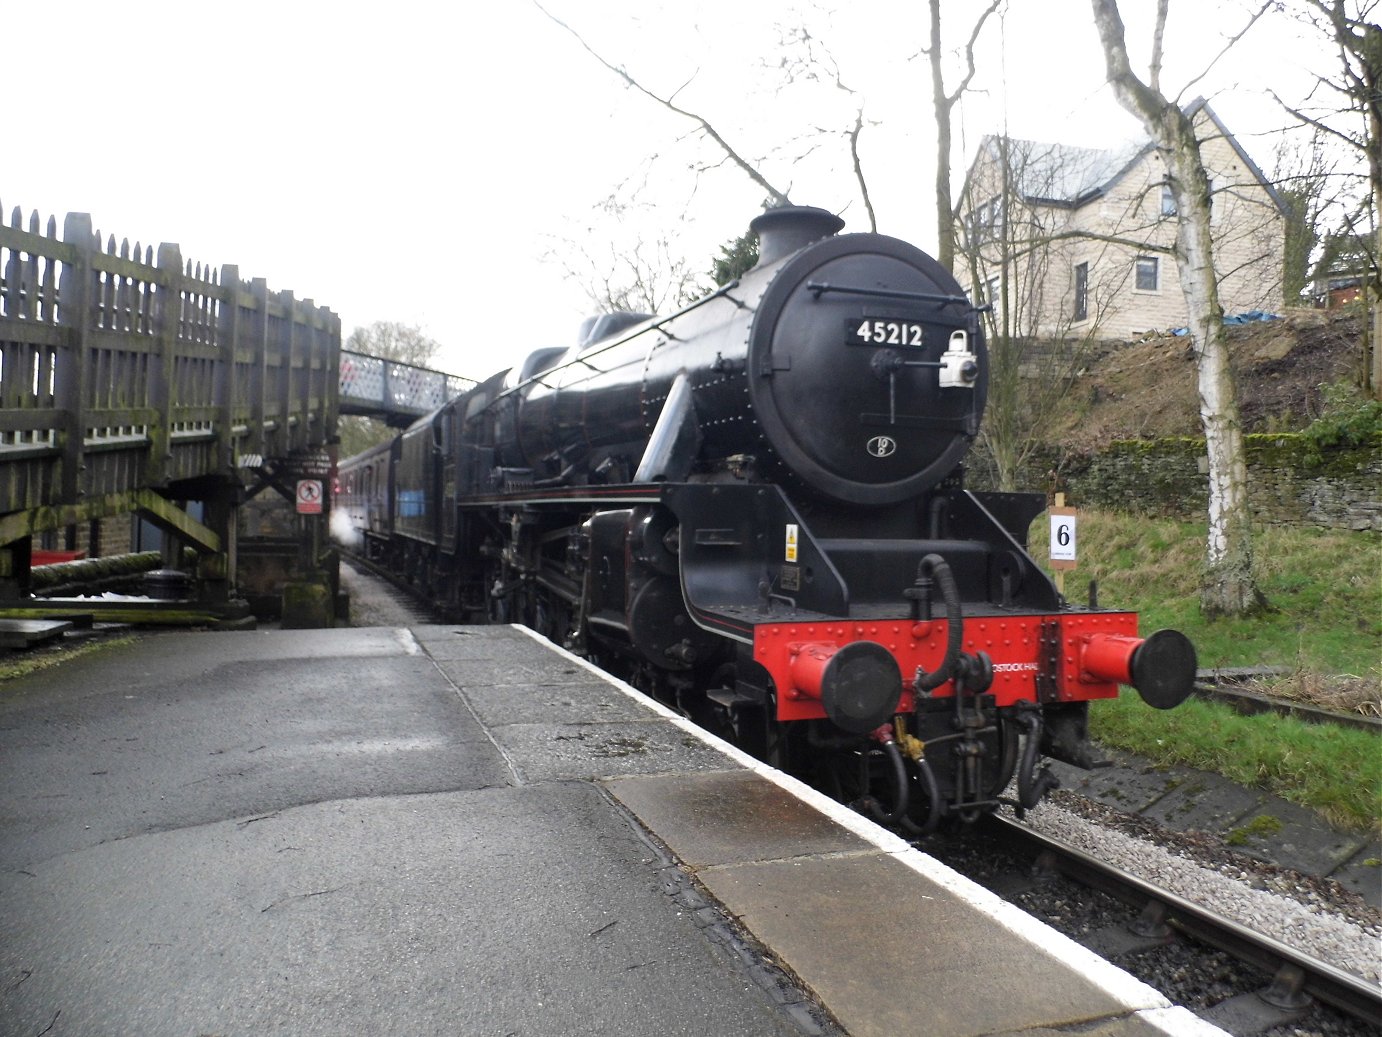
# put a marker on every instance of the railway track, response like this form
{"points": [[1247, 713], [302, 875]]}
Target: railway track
{"points": [[377, 598], [1296, 981]]}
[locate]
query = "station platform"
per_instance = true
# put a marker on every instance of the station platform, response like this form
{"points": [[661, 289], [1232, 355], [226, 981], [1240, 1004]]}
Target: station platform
{"points": [[463, 830]]}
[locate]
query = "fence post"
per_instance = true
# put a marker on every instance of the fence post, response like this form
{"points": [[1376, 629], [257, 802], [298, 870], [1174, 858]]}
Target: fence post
{"points": [[331, 387], [69, 367], [223, 374], [294, 432], [167, 316], [259, 342]]}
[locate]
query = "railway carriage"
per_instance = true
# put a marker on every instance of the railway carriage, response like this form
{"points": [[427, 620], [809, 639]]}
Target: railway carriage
{"points": [[364, 496]]}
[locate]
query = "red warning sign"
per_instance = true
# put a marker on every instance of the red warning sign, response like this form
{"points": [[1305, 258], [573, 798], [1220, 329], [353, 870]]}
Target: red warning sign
{"points": [[309, 497]]}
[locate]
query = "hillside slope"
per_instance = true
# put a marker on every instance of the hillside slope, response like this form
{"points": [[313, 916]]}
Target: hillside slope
{"points": [[1147, 389]]}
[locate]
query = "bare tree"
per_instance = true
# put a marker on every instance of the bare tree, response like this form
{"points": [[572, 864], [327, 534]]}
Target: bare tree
{"points": [[1229, 585], [1304, 174], [643, 277], [944, 103], [1349, 109], [392, 340], [1015, 256]]}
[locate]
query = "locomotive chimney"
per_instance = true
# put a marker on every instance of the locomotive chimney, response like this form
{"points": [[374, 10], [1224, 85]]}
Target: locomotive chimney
{"points": [[782, 231]]}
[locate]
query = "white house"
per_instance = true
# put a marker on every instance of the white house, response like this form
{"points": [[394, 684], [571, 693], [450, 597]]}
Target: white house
{"points": [[1073, 242]]}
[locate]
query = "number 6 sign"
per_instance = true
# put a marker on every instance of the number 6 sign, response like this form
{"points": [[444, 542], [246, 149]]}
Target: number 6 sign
{"points": [[1062, 538]]}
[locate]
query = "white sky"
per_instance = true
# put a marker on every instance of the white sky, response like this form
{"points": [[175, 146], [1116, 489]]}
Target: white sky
{"points": [[415, 161]]}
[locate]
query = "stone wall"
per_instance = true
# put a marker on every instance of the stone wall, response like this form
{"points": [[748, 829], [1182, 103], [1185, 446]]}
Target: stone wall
{"points": [[1290, 480]]}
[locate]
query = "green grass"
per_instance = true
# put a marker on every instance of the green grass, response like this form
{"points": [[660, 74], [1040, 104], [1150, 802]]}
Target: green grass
{"points": [[23, 665], [1324, 627], [1324, 590], [1334, 770]]}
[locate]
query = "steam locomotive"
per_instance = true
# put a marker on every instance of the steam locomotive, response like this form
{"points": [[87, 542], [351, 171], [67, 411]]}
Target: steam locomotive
{"points": [[754, 509]]}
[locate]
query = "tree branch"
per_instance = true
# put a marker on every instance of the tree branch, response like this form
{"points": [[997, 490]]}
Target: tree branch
{"points": [[777, 197], [1266, 6], [959, 90], [1158, 45], [859, 169]]}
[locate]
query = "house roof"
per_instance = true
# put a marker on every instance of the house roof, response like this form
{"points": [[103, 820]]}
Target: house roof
{"points": [[1062, 174], [1065, 173]]}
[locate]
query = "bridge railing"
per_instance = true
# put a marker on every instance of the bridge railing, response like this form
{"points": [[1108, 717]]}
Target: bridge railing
{"points": [[121, 371], [395, 392]]}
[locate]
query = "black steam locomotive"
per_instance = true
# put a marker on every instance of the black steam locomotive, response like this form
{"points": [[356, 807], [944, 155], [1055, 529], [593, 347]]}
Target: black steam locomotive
{"points": [[754, 509]]}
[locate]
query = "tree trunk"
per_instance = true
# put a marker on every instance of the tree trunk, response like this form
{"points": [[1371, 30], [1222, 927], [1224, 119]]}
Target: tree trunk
{"points": [[945, 216], [1228, 586]]}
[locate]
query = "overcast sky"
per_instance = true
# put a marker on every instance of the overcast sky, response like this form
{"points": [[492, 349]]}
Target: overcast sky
{"points": [[425, 162]]}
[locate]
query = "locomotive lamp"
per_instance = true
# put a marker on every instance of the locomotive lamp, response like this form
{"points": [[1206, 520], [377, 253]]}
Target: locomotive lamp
{"points": [[959, 368]]}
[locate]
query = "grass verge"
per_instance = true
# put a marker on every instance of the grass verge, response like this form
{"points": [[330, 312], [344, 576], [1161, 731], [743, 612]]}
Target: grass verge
{"points": [[1323, 628], [31, 663], [1323, 587], [1334, 770]]}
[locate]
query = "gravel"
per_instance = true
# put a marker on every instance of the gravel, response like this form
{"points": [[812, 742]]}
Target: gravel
{"points": [[1309, 913], [1302, 912]]}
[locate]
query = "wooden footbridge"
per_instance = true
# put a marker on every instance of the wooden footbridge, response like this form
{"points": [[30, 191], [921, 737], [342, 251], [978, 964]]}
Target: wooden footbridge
{"points": [[134, 381]]}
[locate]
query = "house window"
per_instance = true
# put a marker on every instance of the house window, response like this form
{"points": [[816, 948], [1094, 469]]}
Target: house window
{"points": [[986, 221], [994, 288], [1168, 201], [1081, 291], [1148, 274]]}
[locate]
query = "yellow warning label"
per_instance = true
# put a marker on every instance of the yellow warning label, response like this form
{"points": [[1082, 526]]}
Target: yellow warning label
{"points": [[791, 542]]}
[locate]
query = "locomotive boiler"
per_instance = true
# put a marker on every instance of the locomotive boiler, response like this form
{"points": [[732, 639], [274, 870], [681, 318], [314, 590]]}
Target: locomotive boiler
{"points": [[754, 508]]}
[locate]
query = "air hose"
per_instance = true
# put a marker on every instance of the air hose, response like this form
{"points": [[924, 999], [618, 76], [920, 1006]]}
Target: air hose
{"points": [[933, 801], [901, 797], [1031, 786]]}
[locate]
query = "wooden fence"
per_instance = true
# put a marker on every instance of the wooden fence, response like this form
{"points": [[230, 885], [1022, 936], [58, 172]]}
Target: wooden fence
{"points": [[124, 369]]}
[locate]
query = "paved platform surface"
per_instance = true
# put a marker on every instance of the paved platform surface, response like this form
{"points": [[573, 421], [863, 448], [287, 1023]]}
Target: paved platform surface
{"points": [[453, 830]]}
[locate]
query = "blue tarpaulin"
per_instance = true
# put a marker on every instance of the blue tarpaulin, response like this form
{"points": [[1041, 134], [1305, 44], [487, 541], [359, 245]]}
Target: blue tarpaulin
{"points": [[1251, 317]]}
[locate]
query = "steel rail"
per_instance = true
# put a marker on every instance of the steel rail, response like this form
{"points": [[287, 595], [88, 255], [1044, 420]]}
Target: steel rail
{"points": [[1355, 996]]}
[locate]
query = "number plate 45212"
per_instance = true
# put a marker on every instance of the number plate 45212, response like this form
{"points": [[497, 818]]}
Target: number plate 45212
{"points": [[884, 331]]}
